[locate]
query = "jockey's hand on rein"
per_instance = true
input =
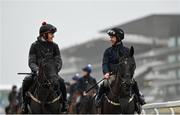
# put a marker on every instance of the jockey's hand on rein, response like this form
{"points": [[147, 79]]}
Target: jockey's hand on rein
{"points": [[107, 76]]}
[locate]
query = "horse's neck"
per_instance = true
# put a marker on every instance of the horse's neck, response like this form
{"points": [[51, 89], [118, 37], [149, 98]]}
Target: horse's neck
{"points": [[114, 89]]}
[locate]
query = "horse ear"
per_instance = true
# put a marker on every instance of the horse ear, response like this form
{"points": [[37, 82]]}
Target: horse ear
{"points": [[131, 51]]}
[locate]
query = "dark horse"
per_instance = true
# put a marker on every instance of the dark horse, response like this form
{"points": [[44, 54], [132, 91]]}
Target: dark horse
{"points": [[87, 102], [121, 98], [44, 93]]}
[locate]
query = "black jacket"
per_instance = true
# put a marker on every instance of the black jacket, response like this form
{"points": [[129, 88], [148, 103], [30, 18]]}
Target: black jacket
{"points": [[112, 55], [85, 83], [41, 49]]}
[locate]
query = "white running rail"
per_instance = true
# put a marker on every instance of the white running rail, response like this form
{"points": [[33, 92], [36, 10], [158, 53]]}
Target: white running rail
{"points": [[170, 107]]}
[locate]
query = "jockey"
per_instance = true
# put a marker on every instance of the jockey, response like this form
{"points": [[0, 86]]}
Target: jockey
{"points": [[86, 80], [73, 85], [42, 47], [84, 83], [110, 58], [13, 94]]}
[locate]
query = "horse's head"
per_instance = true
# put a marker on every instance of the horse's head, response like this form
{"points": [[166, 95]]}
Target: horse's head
{"points": [[48, 72], [50, 67], [127, 65], [125, 71]]}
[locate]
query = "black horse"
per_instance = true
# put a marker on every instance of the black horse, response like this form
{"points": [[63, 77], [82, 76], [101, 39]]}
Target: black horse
{"points": [[87, 102], [121, 98], [44, 93]]}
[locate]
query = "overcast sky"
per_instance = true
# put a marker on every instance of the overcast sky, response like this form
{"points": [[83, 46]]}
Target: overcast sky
{"points": [[77, 21]]}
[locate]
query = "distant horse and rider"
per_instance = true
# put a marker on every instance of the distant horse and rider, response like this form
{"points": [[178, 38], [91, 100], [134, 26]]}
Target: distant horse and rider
{"points": [[14, 101], [82, 101]]}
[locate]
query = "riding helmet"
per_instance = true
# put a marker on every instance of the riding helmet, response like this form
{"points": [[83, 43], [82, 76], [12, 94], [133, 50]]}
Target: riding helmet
{"points": [[47, 28], [88, 68], [119, 33], [76, 77]]}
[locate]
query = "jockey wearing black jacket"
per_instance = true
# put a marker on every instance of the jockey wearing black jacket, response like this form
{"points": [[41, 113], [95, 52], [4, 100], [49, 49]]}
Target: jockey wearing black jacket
{"points": [[85, 82], [42, 47], [111, 58]]}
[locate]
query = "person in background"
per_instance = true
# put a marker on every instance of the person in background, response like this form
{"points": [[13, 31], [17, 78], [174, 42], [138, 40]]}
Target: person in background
{"points": [[13, 94], [73, 85], [86, 80]]}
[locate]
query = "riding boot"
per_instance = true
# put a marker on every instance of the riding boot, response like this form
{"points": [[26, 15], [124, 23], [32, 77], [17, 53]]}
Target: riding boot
{"points": [[140, 96], [98, 98], [64, 95]]}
